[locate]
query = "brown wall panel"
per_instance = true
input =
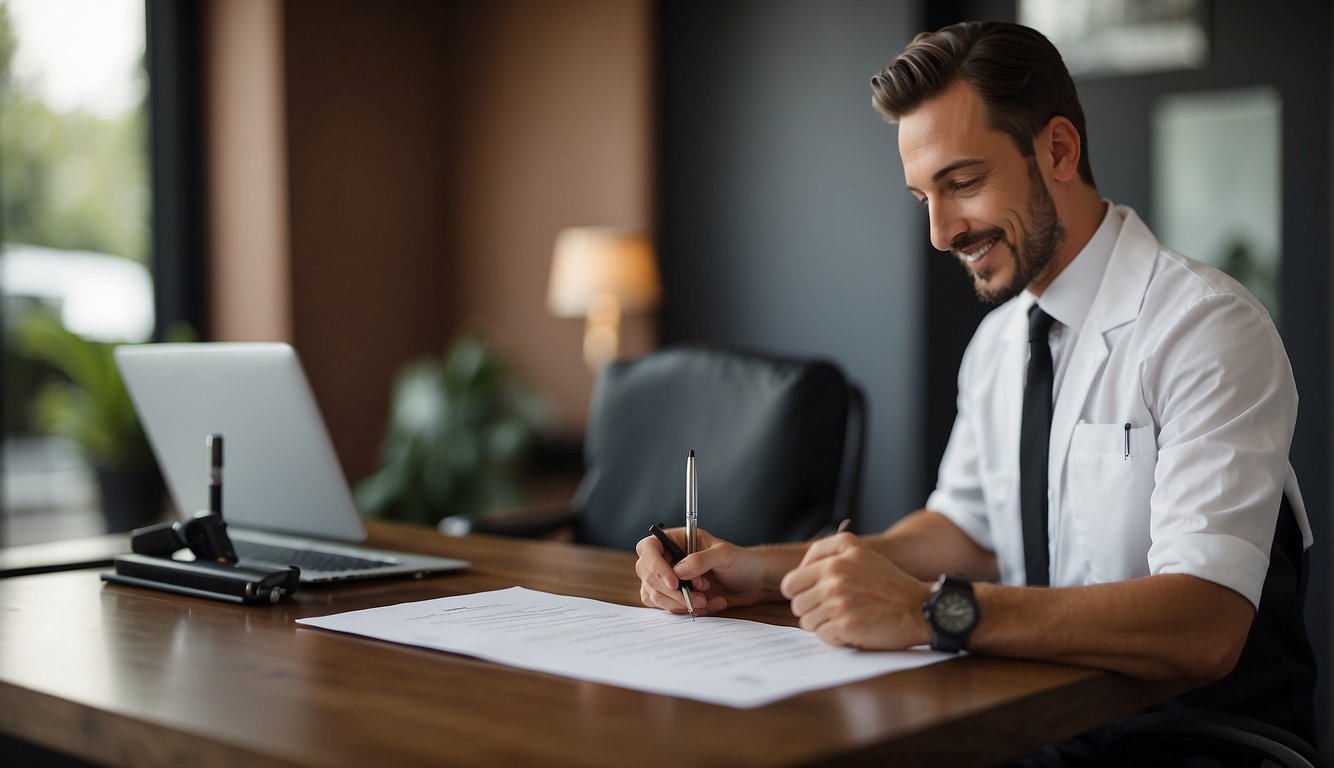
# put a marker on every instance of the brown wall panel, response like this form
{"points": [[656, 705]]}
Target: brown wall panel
{"points": [[246, 158], [367, 135], [423, 156]]}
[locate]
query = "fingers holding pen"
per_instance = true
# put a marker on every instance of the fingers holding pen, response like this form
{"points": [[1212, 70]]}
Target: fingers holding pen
{"points": [[720, 574], [660, 567], [656, 577], [668, 601]]}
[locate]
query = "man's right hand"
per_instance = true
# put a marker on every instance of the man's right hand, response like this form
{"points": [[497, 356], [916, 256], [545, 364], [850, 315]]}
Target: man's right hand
{"points": [[721, 574]]}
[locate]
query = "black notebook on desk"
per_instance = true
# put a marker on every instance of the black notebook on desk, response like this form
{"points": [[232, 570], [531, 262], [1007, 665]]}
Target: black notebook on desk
{"points": [[285, 499]]}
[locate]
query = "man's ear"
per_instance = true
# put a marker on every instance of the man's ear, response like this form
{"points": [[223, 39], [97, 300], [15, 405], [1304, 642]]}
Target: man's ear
{"points": [[1060, 141]]}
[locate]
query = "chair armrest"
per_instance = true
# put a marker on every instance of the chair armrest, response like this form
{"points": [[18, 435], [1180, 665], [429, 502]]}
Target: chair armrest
{"points": [[1155, 731], [528, 523]]}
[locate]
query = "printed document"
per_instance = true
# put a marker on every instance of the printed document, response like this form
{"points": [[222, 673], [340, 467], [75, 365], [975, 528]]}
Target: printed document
{"points": [[732, 662]]}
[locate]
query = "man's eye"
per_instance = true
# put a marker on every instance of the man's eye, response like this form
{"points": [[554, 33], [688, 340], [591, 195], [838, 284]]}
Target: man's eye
{"points": [[965, 184], [920, 202]]}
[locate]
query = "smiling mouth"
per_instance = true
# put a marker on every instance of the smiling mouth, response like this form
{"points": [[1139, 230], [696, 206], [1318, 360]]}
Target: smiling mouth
{"points": [[972, 257], [975, 251]]}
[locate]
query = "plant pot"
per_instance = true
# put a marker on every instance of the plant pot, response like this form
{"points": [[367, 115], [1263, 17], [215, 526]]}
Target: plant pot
{"points": [[130, 497]]}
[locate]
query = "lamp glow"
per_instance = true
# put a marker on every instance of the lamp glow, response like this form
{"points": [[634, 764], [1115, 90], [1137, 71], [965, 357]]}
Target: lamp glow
{"points": [[601, 274]]}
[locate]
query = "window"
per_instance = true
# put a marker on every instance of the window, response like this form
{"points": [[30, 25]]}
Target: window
{"points": [[75, 212]]}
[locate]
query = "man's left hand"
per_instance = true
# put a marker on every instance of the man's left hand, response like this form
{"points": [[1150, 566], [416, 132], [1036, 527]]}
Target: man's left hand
{"points": [[848, 594]]}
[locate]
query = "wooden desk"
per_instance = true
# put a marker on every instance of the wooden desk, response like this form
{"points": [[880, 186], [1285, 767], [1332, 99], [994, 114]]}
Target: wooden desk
{"points": [[129, 677]]}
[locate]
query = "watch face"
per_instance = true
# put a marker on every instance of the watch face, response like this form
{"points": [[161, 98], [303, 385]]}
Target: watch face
{"points": [[953, 612]]}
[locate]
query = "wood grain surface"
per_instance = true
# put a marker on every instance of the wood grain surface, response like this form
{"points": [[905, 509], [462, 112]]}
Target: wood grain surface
{"points": [[130, 677]]}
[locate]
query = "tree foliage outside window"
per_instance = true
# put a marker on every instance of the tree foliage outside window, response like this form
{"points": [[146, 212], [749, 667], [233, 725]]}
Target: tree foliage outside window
{"points": [[74, 177], [70, 177]]}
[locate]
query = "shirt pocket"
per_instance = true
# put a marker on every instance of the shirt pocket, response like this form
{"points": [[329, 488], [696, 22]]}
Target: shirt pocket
{"points": [[1110, 483]]}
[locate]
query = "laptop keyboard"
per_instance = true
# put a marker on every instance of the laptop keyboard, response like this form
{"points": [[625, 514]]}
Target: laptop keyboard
{"points": [[305, 559]]}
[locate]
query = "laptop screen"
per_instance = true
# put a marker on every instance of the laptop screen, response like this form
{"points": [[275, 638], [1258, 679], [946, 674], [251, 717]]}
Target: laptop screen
{"points": [[280, 472]]}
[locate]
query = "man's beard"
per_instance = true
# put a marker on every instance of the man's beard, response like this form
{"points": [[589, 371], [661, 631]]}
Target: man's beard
{"points": [[1040, 244]]}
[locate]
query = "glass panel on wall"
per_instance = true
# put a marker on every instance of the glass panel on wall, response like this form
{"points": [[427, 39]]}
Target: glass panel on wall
{"points": [[74, 206], [1217, 182]]}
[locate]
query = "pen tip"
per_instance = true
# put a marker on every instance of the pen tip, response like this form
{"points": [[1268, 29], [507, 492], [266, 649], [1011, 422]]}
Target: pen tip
{"points": [[692, 453]]}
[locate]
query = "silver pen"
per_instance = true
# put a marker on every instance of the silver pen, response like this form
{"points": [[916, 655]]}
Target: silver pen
{"points": [[692, 518], [692, 505]]}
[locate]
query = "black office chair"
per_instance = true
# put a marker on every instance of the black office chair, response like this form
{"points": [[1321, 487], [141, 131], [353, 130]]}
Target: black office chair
{"points": [[1205, 737], [779, 445]]}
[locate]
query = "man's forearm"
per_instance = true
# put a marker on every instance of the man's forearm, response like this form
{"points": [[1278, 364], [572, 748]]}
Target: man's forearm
{"points": [[926, 544], [1165, 626], [1157, 627]]}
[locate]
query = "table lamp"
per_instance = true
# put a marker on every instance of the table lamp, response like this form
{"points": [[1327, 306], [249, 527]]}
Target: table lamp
{"points": [[600, 274]]}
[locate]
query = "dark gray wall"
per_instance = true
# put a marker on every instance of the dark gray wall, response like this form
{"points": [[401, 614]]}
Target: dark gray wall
{"points": [[1324, 556], [783, 220]]}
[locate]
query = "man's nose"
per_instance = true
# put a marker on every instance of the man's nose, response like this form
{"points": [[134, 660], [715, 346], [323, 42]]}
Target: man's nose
{"points": [[946, 226]]}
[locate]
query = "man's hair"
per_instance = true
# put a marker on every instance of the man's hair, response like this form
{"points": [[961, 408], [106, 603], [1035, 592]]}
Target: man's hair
{"points": [[1016, 71]]}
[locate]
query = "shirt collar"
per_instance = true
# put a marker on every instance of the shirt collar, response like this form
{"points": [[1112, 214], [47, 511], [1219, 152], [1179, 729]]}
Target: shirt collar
{"points": [[1070, 296]]}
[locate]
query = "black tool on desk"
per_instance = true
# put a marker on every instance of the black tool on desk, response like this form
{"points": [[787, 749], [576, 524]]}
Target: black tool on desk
{"points": [[214, 573], [205, 534]]}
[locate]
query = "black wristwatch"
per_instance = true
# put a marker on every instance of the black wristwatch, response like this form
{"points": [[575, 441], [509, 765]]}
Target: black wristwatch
{"points": [[952, 613]]}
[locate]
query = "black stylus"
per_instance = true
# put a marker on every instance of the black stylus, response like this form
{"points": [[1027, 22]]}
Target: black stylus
{"points": [[675, 552], [214, 444]]}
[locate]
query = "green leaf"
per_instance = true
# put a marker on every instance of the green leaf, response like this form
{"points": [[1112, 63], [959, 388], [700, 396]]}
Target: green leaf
{"points": [[90, 405], [459, 427]]}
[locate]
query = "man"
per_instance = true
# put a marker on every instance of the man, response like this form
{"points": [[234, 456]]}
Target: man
{"points": [[1170, 402]]}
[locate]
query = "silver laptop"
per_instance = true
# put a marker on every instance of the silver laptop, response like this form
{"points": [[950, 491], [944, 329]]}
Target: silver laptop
{"points": [[285, 499]]}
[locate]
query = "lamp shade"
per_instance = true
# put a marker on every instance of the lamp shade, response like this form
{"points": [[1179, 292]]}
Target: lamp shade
{"points": [[593, 264]]}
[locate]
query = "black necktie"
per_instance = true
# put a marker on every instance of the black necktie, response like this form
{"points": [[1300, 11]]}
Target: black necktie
{"points": [[1034, 440]]}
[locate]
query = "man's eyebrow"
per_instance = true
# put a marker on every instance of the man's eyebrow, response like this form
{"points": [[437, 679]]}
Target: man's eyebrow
{"points": [[952, 167], [948, 169]]}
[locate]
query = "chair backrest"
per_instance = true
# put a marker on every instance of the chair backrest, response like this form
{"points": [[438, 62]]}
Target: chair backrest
{"points": [[776, 459]]}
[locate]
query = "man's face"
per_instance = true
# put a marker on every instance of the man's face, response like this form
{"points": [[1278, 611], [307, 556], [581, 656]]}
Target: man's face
{"points": [[988, 204]]}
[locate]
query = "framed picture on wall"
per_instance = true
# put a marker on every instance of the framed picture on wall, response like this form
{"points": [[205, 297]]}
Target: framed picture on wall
{"points": [[1100, 38], [1218, 182]]}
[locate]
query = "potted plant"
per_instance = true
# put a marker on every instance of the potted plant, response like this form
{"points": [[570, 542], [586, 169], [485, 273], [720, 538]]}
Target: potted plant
{"points": [[459, 428], [89, 405]]}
